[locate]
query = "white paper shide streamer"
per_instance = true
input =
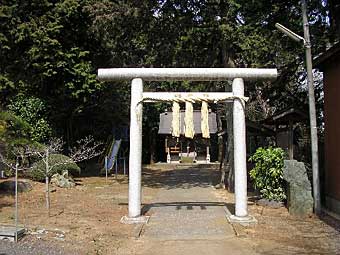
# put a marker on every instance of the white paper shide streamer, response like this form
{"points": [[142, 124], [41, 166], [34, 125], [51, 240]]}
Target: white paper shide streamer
{"points": [[189, 120], [205, 120], [176, 128]]}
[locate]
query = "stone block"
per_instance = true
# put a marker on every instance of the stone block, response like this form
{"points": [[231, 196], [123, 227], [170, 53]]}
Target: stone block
{"points": [[9, 186], [62, 180], [299, 190]]}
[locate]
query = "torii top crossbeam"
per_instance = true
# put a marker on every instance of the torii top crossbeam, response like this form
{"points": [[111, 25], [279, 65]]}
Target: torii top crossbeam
{"points": [[189, 74]]}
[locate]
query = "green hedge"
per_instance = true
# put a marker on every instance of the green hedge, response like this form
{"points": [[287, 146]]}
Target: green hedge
{"points": [[61, 163]]}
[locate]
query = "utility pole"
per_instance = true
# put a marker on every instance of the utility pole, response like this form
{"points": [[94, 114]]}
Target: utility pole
{"points": [[312, 111], [311, 99]]}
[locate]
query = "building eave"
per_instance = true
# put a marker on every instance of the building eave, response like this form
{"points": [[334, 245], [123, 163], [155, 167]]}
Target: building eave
{"points": [[325, 59]]}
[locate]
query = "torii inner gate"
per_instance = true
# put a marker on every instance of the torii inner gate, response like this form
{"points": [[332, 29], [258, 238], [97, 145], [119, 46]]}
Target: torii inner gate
{"points": [[138, 75]]}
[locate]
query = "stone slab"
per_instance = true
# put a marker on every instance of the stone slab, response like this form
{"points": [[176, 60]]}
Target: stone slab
{"points": [[190, 222], [8, 232], [189, 211], [134, 220], [232, 246]]}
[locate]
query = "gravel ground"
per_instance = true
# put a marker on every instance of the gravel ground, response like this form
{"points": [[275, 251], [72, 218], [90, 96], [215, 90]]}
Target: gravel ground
{"points": [[30, 245]]}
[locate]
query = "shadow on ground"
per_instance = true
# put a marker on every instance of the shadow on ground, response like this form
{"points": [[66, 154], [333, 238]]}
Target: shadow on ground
{"points": [[4, 202], [330, 221], [189, 206], [194, 176]]}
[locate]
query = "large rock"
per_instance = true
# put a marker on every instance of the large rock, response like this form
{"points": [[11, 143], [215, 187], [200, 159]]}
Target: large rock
{"points": [[9, 186], [300, 200], [62, 180]]}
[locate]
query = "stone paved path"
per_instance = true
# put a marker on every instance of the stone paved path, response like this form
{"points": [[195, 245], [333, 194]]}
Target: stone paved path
{"points": [[187, 218]]}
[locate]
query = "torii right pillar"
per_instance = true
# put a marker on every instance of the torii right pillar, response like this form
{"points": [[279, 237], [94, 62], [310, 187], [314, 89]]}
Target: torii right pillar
{"points": [[240, 156]]}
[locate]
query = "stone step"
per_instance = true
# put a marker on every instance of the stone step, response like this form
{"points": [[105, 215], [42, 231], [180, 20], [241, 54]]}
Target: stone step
{"points": [[173, 166]]}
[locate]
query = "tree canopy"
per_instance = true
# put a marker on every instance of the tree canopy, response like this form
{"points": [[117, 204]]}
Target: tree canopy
{"points": [[51, 49]]}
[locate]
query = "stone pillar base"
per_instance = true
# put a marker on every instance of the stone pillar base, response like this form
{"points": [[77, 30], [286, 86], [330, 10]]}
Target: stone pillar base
{"points": [[242, 220], [134, 220]]}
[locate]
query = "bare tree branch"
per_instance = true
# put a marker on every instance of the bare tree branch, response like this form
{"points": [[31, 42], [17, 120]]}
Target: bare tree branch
{"points": [[85, 149], [20, 154]]}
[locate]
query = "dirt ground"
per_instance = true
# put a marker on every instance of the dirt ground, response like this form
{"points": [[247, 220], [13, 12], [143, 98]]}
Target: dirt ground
{"points": [[277, 232], [86, 220]]}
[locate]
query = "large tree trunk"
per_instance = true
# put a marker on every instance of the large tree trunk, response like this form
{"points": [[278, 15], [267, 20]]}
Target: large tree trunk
{"points": [[229, 155], [152, 141], [227, 150], [221, 148], [228, 61]]}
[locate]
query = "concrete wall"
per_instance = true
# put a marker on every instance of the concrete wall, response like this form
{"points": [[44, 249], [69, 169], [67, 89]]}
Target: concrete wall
{"points": [[332, 134]]}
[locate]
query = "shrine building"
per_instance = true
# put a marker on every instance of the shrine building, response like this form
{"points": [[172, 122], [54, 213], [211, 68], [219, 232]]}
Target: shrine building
{"points": [[186, 150]]}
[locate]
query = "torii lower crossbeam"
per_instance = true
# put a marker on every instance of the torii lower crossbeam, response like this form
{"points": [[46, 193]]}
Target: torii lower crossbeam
{"points": [[211, 97]]}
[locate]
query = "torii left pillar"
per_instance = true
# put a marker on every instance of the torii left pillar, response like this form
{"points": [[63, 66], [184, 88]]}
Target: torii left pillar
{"points": [[240, 159], [135, 157]]}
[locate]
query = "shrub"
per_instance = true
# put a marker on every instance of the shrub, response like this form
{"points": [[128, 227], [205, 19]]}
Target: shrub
{"points": [[13, 128], [268, 173], [34, 111], [58, 162]]}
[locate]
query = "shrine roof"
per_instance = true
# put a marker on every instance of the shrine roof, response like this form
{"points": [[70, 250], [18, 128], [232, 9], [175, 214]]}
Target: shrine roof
{"points": [[289, 114]]}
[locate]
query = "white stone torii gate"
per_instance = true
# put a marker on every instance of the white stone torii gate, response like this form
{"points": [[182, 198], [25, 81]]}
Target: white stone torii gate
{"points": [[137, 75]]}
